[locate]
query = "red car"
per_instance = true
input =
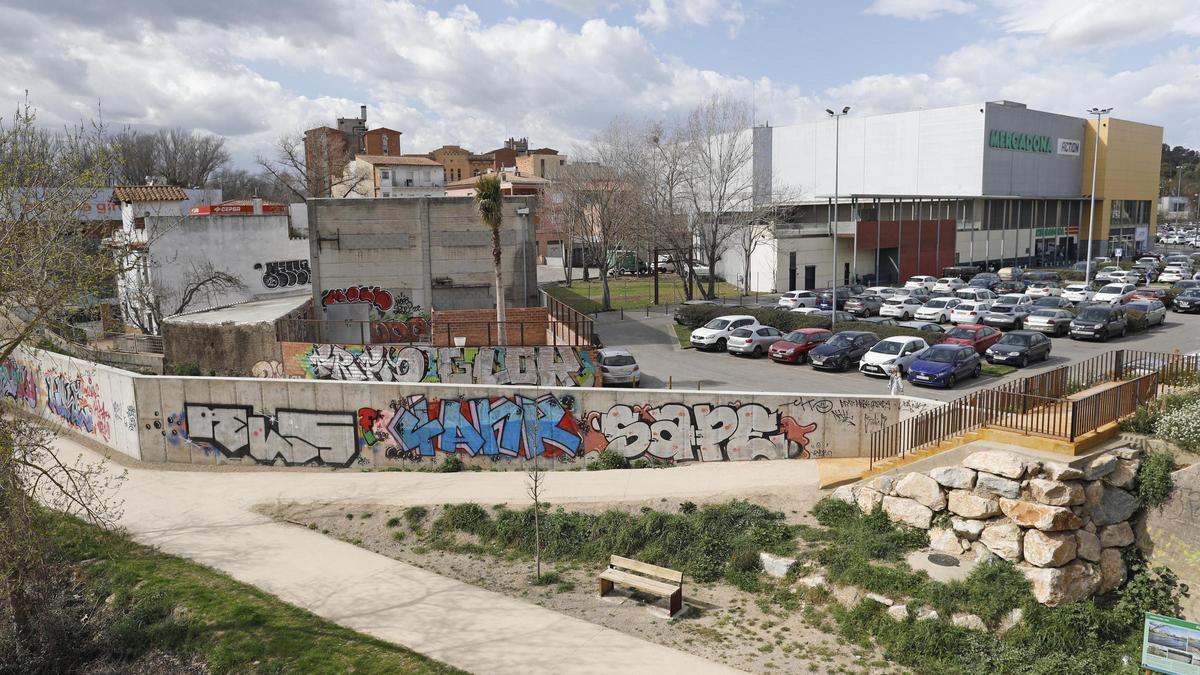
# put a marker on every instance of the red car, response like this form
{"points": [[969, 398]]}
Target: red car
{"points": [[795, 346], [1151, 294], [973, 335]]}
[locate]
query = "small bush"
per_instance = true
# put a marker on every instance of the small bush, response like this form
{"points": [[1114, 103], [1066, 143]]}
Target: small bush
{"points": [[186, 369], [450, 464], [1154, 479], [687, 508], [393, 522], [609, 459], [415, 515], [548, 579]]}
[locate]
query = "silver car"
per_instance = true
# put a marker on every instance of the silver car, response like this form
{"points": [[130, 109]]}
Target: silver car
{"points": [[617, 366], [753, 340]]}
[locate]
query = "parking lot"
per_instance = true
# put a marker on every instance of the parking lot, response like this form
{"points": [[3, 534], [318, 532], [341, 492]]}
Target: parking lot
{"points": [[664, 363]]}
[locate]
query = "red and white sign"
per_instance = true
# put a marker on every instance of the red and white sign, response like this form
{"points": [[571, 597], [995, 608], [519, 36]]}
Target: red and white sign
{"points": [[235, 209]]}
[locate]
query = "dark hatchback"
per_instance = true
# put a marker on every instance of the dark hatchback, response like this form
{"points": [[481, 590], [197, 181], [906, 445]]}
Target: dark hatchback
{"points": [[1187, 302], [1019, 348], [984, 280], [842, 350], [1099, 322]]}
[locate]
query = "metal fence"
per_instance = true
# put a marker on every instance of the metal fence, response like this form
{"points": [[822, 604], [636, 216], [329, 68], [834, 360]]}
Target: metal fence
{"points": [[472, 333], [569, 324]]}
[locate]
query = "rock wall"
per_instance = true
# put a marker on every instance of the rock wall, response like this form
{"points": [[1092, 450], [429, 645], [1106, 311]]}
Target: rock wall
{"points": [[1064, 527]]}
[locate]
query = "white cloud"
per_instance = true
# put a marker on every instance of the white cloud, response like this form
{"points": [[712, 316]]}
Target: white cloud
{"points": [[664, 14], [1100, 23], [919, 10]]}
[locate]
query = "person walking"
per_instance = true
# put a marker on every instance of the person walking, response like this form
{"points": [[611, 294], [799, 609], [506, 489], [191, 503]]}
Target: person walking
{"points": [[895, 380]]}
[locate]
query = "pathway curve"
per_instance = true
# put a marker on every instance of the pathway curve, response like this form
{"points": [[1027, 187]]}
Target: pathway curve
{"points": [[208, 517]]}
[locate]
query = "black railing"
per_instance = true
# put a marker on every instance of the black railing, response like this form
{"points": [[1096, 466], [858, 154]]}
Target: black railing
{"points": [[470, 333], [567, 324]]}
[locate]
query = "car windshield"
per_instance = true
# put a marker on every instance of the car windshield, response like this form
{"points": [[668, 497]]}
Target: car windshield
{"points": [[796, 337], [1008, 300], [1094, 314], [1047, 302], [936, 304], [961, 333], [1015, 339], [717, 324], [940, 355], [1112, 288], [840, 341], [967, 307], [894, 302], [1047, 313], [887, 347], [618, 360], [1077, 287], [742, 332], [1139, 306]]}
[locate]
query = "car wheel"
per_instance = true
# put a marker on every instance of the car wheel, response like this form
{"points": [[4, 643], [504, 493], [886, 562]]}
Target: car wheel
{"points": [[1024, 362], [844, 364], [951, 381], [1046, 356], [978, 370], [721, 345], [802, 359], [758, 352], [1124, 329]]}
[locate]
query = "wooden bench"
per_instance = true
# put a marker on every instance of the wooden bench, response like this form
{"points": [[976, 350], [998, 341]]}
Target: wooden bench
{"points": [[652, 579]]}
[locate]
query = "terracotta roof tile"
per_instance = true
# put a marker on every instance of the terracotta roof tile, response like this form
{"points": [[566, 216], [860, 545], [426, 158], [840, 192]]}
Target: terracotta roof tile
{"points": [[381, 160], [148, 193]]}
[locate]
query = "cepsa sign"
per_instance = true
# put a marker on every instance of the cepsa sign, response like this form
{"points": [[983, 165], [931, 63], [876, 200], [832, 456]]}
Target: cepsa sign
{"points": [[235, 209]]}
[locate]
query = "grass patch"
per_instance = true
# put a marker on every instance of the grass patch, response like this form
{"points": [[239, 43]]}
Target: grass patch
{"points": [[996, 369], [631, 292], [178, 606], [415, 515], [683, 334], [1154, 479]]}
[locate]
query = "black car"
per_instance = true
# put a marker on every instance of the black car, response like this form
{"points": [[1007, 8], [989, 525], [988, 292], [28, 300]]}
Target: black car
{"points": [[1053, 302], [964, 272], [1002, 287], [842, 350], [1188, 302], [1100, 322], [1185, 284], [1019, 348], [1056, 322]]}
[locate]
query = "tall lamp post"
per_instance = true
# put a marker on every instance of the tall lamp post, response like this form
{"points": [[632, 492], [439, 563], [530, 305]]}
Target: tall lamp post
{"points": [[837, 141], [1098, 112]]}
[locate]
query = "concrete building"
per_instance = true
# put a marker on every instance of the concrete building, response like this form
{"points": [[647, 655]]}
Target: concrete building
{"points": [[992, 184], [1175, 209], [328, 150], [394, 260], [461, 163], [392, 176]]}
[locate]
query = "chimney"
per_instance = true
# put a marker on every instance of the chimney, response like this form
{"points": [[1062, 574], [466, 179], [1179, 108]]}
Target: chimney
{"points": [[257, 201], [362, 112]]}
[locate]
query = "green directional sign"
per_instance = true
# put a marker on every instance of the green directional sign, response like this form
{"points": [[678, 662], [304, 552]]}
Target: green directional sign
{"points": [[1016, 140]]}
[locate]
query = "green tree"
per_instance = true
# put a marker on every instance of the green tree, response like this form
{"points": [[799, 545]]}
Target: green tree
{"points": [[490, 201]]}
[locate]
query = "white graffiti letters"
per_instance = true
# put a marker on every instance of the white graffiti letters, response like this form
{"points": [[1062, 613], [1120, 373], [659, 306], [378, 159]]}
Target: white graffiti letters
{"points": [[702, 432], [292, 436]]}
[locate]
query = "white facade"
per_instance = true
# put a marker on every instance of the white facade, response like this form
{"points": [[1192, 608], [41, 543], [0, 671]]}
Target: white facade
{"points": [[393, 176]]}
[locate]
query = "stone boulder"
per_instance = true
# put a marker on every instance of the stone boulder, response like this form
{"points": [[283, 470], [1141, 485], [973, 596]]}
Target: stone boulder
{"points": [[1010, 620], [1087, 545], [1059, 471], [775, 565], [944, 540], [1054, 586], [1117, 535], [1100, 467], [1049, 549], [1110, 505], [1040, 516], [987, 483], [1127, 452], [982, 553], [1112, 570], [968, 528], [847, 595], [814, 581], [968, 621], [908, 511], [970, 505], [1056, 493], [846, 493], [1125, 475], [898, 612], [884, 484], [1003, 539], [923, 489], [954, 477], [927, 614], [997, 462], [868, 498]]}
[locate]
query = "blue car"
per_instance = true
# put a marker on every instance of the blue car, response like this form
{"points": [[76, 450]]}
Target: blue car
{"points": [[944, 366]]}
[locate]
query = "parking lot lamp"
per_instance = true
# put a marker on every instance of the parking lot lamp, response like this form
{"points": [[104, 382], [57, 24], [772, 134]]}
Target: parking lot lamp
{"points": [[1098, 112], [837, 132]]}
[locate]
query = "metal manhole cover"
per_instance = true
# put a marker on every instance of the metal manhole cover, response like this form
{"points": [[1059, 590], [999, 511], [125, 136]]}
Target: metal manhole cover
{"points": [[943, 560]]}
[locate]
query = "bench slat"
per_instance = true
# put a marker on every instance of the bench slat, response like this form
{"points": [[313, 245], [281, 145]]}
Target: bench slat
{"points": [[664, 573], [641, 583]]}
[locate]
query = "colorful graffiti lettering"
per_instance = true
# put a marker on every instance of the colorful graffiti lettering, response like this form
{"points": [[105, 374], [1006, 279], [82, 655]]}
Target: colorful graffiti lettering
{"points": [[381, 298], [544, 366], [18, 383], [66, 399], [413, 329], [290, 437]]}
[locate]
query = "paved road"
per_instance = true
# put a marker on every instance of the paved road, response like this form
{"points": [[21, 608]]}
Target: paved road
{"points": [[207, 517], [653, 343]]}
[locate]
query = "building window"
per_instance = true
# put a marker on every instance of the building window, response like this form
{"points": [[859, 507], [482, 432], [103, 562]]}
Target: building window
{"points": [[385, 144], [385, 175]]}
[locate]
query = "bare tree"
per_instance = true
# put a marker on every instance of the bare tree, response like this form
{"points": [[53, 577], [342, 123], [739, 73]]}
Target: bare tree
{"points": [[242, 184], [173, 156], [149, 300], [310, 165], [536, 483], [135, 157], [660, 165]]}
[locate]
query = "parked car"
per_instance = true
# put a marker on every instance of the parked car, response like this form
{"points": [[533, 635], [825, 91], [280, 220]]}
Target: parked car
{"points": [[617, 366], [1056, 322], [1053, 302], [805, 310], [949, 284], [715, 334], [1172, 274], [1019, 348], [983, 280], [937, 310], [944, 365], [921, 281], [965, 272], [1105, 273], [752, 340], [969, 312], [1042, 289], [1186, 284], [885, 291], [1078, 293], [1125, 277], [970, 293], [794, 299], [1147, 273], [1099, 322], [864, 305], [1010, 273], [881, 320], [1006, 287], [927, 326], [1154, 311], [1159, 294], [974, 336], [795, 346], [917, 292], [825, 298], [842, 350], [900, 307], [900, 350], [1115, 294], [1008, 312], [689, 303], [1187, 302], [841, 315], [1042, 275]]}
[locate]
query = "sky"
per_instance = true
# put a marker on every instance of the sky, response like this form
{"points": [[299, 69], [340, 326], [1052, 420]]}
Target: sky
{"points": [[557, 71]]}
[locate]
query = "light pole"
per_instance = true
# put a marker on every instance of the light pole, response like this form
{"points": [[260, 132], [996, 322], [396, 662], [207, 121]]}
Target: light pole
{"points": [[837, 141], [1098, 112]]}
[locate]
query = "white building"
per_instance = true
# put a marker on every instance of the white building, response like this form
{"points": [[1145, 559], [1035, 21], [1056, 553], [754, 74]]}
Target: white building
{"points": [[392, 176], [1174, 209]]}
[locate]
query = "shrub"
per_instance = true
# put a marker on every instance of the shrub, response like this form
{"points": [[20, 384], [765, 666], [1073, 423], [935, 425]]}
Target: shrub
{"points": [[186, 369], [609, 459], [1180, 425], [451, 464], [415, 515], [1154, 479], [393, 522]]}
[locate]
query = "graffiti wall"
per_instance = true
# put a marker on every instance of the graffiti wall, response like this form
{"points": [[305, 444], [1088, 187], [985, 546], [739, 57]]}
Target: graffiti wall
{"points": [[382, 315], [540, 366], [353, 424], [90, 399]]}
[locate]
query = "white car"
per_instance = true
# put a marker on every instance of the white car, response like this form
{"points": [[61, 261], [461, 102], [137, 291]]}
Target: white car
{"points": [[715, 333], [1114, 294], [793, 299], [970, 311], [938, 309], [1105, 273], [885, 291], [949, 284], [901, 350], [975, 294], [1172, 274], [901, 308], [1078, 293], [1043, 289], [1124, 277], [805, 310], [921, 281], [617, 366]]}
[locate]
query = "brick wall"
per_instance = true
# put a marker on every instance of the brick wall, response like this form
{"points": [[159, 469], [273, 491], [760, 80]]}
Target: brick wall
{"points": [[526, 326]]}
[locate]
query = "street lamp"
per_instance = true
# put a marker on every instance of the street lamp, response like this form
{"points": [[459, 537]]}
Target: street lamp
{"points": [[1098, 112], [837, 140]]}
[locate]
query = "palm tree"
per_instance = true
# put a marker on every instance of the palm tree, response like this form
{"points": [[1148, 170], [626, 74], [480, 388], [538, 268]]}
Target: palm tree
{"points": [[490, 202]]}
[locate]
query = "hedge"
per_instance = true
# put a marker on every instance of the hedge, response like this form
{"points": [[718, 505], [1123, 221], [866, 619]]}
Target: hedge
{"points": [[694, 316]]}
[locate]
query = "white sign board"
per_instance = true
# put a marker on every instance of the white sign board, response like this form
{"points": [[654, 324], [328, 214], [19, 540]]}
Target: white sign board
{"points": [[1068, 146]]}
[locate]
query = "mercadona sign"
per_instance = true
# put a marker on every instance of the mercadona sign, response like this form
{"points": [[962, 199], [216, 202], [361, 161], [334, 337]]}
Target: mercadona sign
{"points": [[1015, 140]]}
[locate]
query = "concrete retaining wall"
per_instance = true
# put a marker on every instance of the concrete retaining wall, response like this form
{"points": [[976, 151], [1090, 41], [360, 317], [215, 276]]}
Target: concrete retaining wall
{"points": [[92, 400], [1173, 535]]}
